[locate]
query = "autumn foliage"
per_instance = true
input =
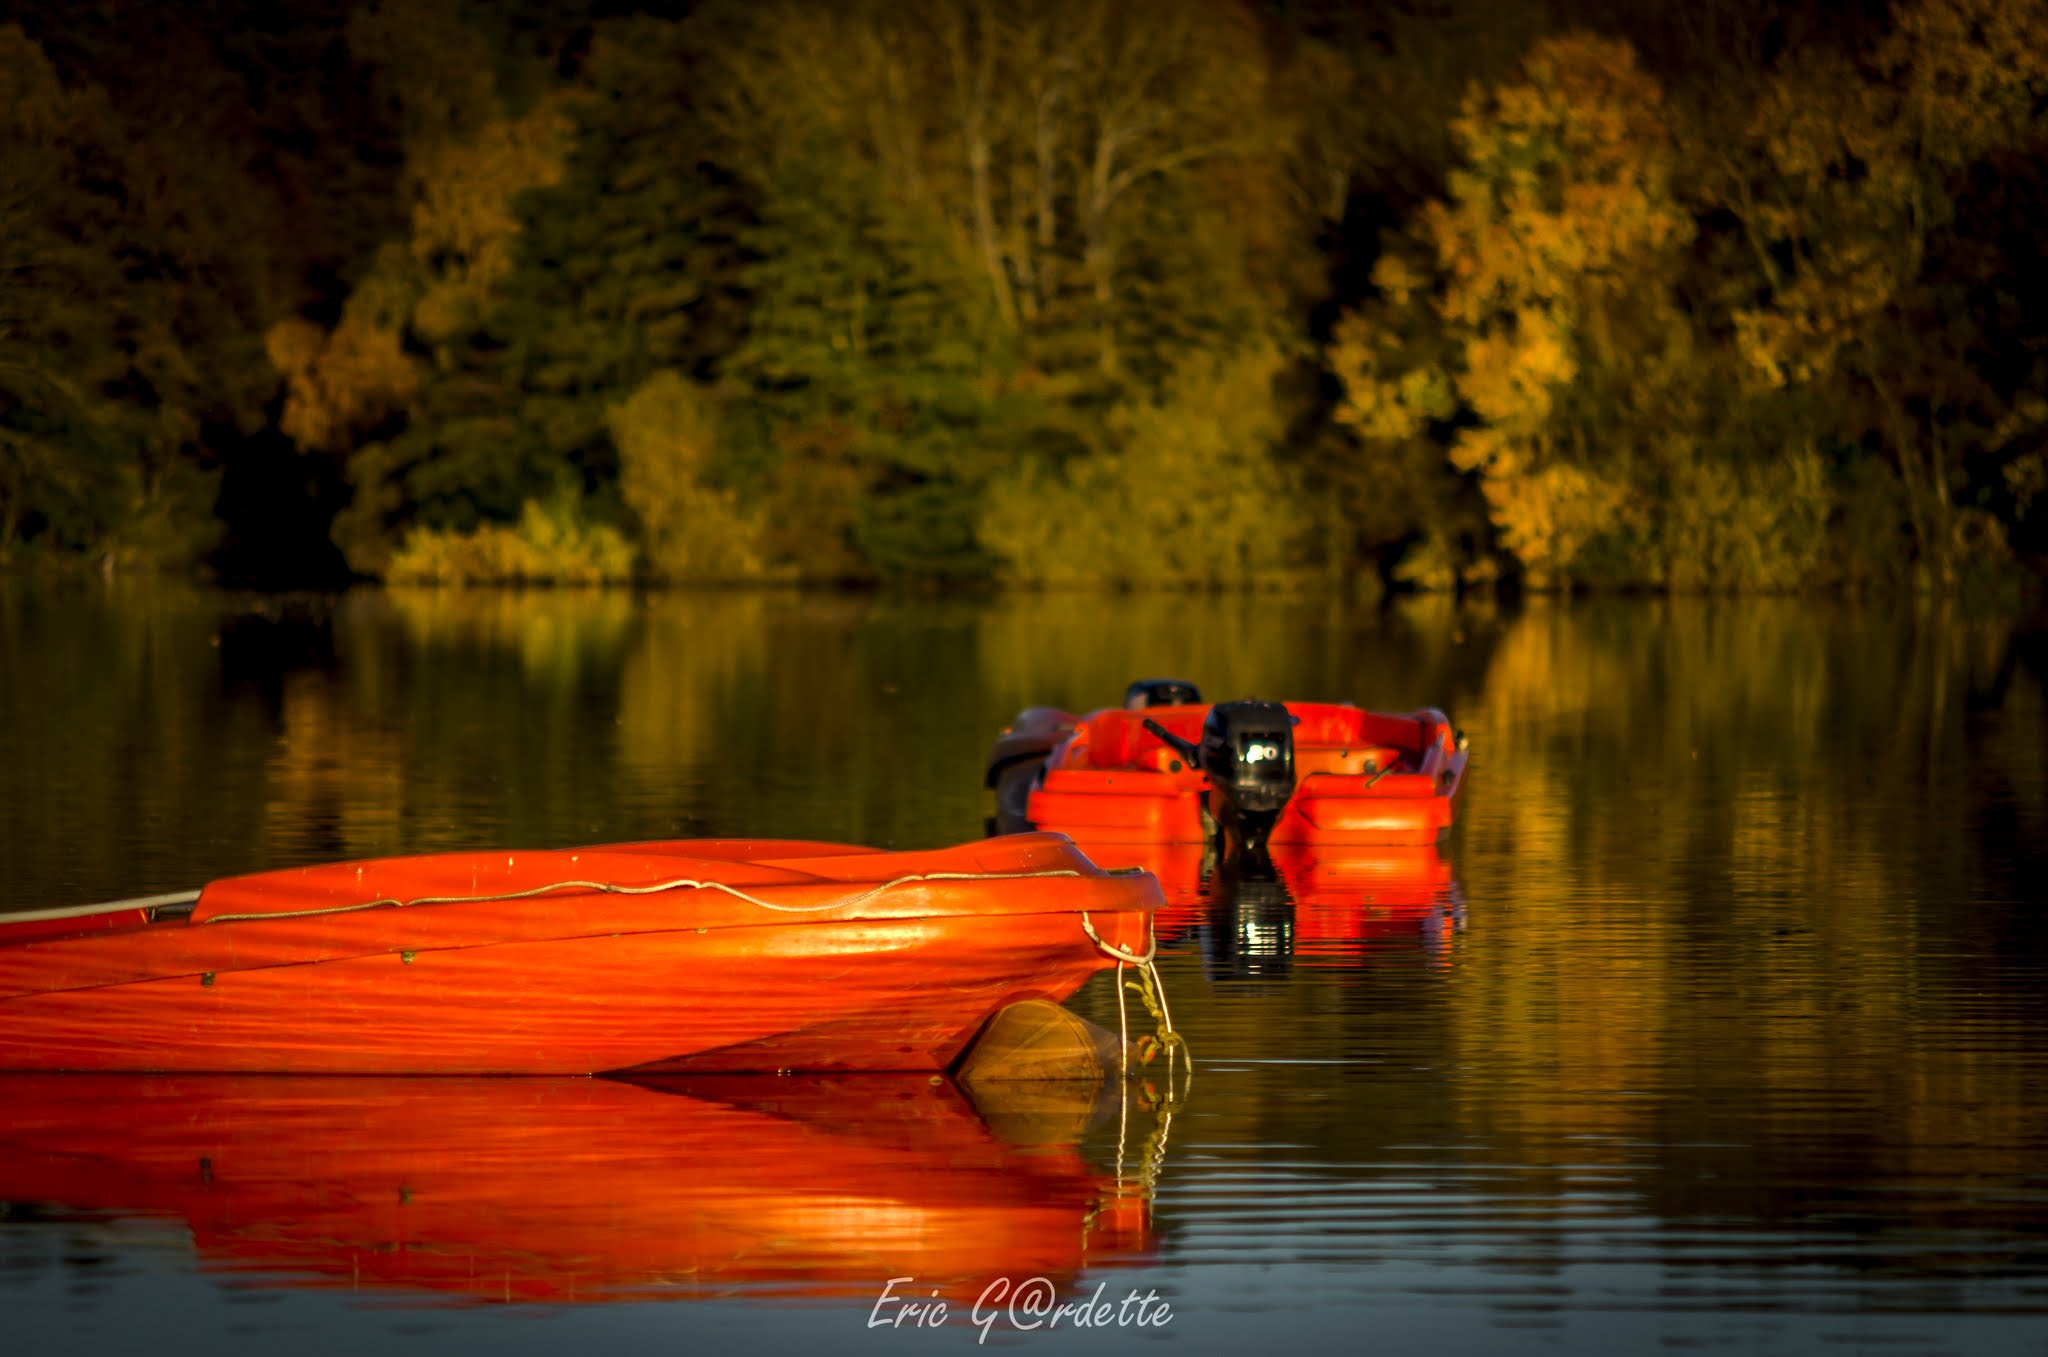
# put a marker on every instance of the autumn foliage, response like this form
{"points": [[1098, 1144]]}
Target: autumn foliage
{"points": [[1046, 292]]}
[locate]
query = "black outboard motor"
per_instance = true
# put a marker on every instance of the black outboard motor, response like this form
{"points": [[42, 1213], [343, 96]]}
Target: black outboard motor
{"points": [[1160, 692], [1247, 752]]}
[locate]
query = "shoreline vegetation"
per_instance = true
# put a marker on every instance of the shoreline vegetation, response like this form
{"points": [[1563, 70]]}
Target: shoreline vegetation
{"points": [[1029, 294]]}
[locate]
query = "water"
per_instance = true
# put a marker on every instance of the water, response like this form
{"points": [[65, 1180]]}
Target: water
{"points": [[1721, 1022]]}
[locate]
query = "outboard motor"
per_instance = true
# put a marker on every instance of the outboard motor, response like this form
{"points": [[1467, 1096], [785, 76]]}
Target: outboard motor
{"points": [[1160, 692], [1247, 753]]}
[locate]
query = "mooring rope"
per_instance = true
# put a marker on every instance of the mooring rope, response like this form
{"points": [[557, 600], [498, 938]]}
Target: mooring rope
{"points": [[613, 888], [1151, 989], [1111, 949]]}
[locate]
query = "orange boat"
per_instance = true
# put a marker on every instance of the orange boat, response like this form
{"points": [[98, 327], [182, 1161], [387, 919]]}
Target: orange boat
{"points": [[1183, 771], [578, 1190], [689, 956]]}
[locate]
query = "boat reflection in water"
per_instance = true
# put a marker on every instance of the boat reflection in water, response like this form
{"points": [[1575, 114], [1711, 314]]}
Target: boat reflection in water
{"points": [[1296, 904], [555, 1190]]}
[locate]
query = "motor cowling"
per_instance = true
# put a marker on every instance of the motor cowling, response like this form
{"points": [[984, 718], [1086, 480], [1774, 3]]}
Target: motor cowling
{"points": [[1247, 753]]}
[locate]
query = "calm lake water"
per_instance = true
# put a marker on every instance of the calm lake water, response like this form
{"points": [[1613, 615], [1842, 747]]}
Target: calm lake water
{"points": [[1721, 1021]]}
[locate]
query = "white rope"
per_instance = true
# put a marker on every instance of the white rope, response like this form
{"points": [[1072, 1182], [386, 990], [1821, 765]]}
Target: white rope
{"points": [[1148, 970], [1111, 949], [1123, 1021], [612, 888], [1173, 1041]]}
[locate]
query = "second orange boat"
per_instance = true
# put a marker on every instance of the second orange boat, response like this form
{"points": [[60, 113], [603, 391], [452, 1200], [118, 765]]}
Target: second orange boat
{"points": [[689, 956], [1183, 771]]}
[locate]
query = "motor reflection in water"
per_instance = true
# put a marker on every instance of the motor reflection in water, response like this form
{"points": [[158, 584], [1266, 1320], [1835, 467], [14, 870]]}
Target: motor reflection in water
{"points": [[557, 1190], [1258, 918]]}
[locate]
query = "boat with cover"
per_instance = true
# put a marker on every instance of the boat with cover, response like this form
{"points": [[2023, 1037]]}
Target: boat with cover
{"points": [[1167, 767], [732, 955]]}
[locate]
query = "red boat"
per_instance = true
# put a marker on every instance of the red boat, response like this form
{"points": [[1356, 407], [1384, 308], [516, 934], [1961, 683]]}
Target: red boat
{"points": [[1183, 771], [577, 1190], [689, 956]]}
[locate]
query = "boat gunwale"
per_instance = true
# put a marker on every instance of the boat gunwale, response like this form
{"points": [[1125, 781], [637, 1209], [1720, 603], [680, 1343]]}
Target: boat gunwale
{"points": [[191, 906]]}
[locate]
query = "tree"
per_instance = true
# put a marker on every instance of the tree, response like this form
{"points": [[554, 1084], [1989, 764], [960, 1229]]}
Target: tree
{"points": [[1866, 294], [630, 265], [1561, 214], [690, 529], [982, 224], [1188, 494], [116, 327], [878, 358], [1537, 323], [404, 387]]}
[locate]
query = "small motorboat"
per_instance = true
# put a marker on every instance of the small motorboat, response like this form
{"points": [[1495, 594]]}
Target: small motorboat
{"points": [[688, 956], [1168, 768], [577, 1190]]}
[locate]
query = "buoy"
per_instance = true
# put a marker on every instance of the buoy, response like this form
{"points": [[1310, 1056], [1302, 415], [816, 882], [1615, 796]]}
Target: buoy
{"points": [[1040, 1075], [1037, 1041]]}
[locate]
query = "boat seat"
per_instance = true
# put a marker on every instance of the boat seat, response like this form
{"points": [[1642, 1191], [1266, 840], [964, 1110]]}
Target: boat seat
{"points": [[1118, 739], [1322, 725]]}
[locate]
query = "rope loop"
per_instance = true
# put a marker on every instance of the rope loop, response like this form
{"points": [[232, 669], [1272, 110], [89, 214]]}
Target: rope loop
{"points": [[1151, 990]]}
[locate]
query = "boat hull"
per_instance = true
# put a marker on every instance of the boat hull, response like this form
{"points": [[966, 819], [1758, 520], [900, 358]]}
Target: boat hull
{"points": [[576, 981]]}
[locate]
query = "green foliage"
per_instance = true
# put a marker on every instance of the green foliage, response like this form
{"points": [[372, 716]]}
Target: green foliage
{"points": [[552, 543], [853, 290], [1190, 289], [557, 260], [1758, 528], [979, 226], [812, 503], [462, 456], [1639, 408], [406, 387], [667, 437], [1538, 293], [868, 332], [1872, 293], [112, 351], [630, 264], [1190, 494]]}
